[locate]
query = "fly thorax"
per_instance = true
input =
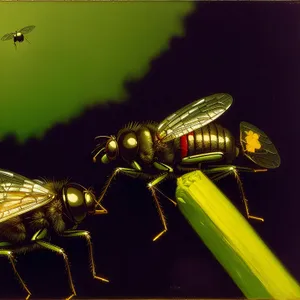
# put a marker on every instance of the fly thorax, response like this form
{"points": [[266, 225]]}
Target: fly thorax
{"points": [[145, 139]]}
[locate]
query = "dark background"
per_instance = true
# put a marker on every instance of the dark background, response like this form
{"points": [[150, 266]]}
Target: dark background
{"points": [[250, 50]]}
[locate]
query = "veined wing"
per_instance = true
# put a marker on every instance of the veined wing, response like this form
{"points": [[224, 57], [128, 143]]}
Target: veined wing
{"points": [[193, 116], [7, 37], [26, 29], [19, 195]]}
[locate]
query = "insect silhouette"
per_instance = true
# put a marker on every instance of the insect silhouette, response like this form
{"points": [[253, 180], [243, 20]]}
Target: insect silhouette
{"points": [[183, 142], [31, 211], [19, 35]]}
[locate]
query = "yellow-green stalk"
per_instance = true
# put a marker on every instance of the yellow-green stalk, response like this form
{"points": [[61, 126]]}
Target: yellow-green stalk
{"points": [[234, 243]]}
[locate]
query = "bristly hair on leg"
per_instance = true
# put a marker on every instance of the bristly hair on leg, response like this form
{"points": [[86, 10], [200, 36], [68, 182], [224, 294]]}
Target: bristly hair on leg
{"points": [[158, 190], [107, 185]]}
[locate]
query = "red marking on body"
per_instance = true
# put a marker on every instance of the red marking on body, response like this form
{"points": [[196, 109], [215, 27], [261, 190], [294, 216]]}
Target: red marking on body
{"points": [[184, 145]]}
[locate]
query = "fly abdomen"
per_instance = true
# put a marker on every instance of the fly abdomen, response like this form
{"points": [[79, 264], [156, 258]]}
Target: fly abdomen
{"points": [[210, 138]]}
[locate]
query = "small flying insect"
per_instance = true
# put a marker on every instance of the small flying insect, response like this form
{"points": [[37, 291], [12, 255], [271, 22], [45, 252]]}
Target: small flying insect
{"points": [[18, 36], [31, 211], [186, 141]]}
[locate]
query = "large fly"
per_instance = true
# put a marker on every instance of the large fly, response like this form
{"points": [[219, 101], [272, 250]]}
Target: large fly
{"points": [[185, 141], [31, 211]]}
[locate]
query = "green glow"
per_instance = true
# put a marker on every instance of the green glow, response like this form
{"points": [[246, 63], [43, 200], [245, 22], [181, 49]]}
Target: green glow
{"points": [[80, 54], [234, 243]]}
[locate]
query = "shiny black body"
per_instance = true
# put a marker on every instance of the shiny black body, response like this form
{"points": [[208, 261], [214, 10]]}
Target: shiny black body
{"points": [[33, 211], [19, 38], [20, 230], [210, 138], [185, 141]]}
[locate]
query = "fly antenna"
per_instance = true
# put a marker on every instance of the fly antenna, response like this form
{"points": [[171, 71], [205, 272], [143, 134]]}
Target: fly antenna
{"points": [[102, 136], [97, 154]]}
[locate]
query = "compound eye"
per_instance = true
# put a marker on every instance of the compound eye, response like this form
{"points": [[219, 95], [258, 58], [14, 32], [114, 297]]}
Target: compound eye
{"points": [[112, 149], [89, 201], [130, 141], [76, 202], [75, 197]]}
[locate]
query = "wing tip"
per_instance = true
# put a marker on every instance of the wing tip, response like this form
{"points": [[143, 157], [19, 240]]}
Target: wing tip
{"points": [[225, 98], [266, 158]]}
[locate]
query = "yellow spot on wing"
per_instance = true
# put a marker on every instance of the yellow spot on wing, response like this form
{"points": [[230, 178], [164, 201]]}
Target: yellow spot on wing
{"points": [[252, 140]]}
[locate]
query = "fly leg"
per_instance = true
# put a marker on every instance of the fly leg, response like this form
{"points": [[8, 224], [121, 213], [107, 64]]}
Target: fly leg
{"points": [[38, 239], [151, 186], [101, 211], [132, 172], [86, 235], [166, 170], [135, 172], [223, 171], [60, 251], [194, 162], [9, 255]]}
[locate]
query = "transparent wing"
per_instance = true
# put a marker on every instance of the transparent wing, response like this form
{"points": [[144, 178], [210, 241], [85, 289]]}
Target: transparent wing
{"points": [[26, 29], [193, 116], [19, 195], [7, 37]]}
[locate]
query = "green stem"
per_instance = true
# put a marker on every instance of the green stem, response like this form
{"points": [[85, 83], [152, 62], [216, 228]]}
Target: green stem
{"points": [[231, 239]]}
